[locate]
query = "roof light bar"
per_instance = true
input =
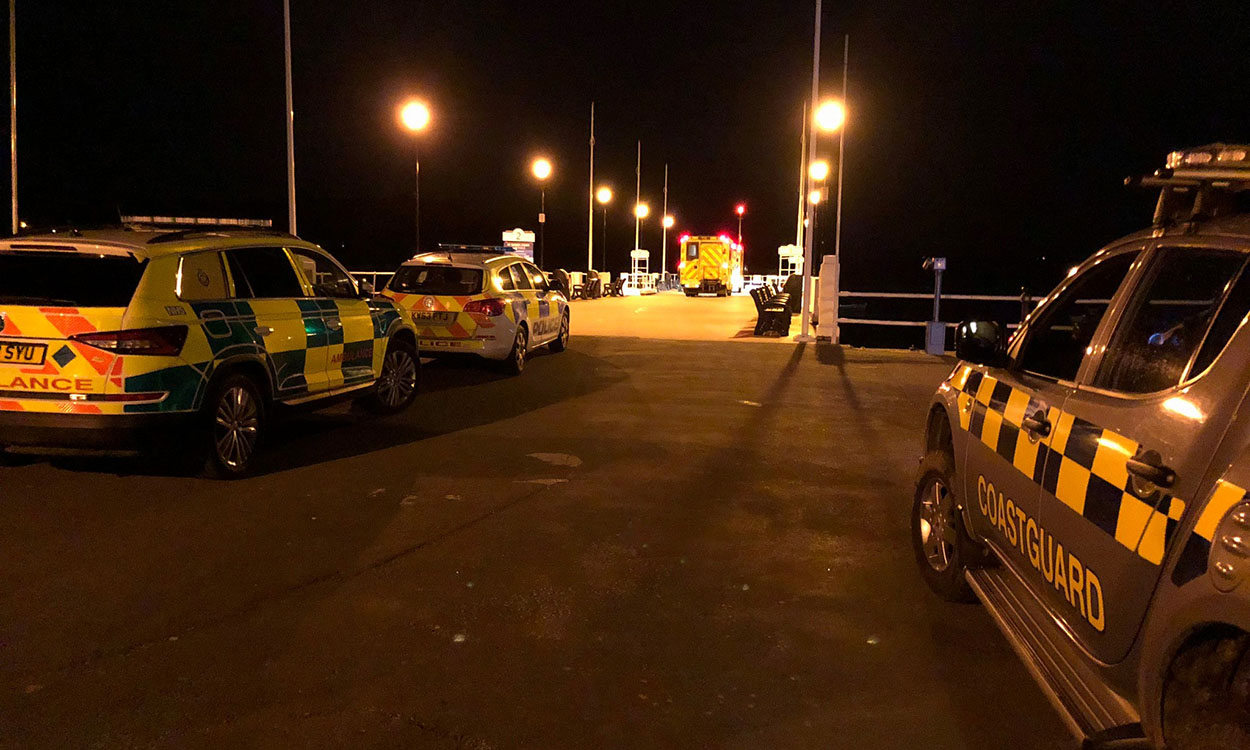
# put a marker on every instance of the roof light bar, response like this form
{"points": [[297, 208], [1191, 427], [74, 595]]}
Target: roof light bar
{"points": [[198, 221]]}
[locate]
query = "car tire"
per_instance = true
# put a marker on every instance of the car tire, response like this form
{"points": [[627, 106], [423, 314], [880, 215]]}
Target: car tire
{"points": [[561, 341], [515, 363], [943, 549], [399, 381], [235, 413], [692, 293], [1206, 700]]}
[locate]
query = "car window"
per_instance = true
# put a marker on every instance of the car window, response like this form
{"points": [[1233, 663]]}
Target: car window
{"points": [[1167, 319], [1055, 343], [506, 282], [448, 281], [265, 272], [692, 250], [536, 277], [324, 275], [1232, 315], [68, 279], [520, 277], [200, 277]]}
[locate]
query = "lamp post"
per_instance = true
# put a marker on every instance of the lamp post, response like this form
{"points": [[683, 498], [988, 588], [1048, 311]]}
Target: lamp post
{"points": [[828, 116], [741, 210], [668, 223], [415, 117], [641, 211], [541, 168], [604, 196]]}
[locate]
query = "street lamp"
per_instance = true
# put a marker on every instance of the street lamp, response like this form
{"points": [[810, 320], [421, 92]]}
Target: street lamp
{"points": [[741, 210], [604, 196], [830, 115], [819, 170], [541, 169], [668, 223], [414, 115]]}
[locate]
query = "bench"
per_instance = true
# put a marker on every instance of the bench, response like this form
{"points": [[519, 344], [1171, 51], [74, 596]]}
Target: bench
{"points": [[772, 311]]}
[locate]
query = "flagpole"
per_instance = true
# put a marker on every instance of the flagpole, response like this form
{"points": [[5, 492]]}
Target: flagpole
{"points": [[590, 222], [290, 120]]}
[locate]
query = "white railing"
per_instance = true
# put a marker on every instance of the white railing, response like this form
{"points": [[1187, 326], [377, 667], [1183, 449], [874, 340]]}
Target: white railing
{"points": [[372, 277], [1026, 303]]}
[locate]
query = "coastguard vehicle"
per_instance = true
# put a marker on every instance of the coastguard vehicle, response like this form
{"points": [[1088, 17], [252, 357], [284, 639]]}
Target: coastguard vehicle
{"points": [[112, 338], [480, 301], [1087, 478], [710, 265]]}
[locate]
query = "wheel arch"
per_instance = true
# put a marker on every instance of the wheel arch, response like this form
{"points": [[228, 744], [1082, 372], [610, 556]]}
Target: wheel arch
{"points": [[253, 367]]}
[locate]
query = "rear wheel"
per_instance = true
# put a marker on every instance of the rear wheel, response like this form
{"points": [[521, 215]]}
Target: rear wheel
{"points": [[515, 363], [938, 538], [235, 409], [692, 292], [1206, 703], [561, 342], [397, 383]]}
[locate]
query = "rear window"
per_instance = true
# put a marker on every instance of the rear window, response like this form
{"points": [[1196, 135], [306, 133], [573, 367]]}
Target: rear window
{"points": [[437, 280], [68, 279]]}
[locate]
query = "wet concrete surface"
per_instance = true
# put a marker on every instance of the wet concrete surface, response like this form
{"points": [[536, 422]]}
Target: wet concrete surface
{"points": [[635, 544]]}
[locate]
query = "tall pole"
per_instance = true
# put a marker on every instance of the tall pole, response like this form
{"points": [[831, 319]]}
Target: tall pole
{"points": [[637, 195], [604, 251], [805, 311], [837, 237], [590, 221], [290, 120], [13, 109], [664, 239], [416, 192], [542, 224], [798, 225]]}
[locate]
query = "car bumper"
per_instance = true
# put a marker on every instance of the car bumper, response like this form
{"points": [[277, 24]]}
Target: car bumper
{"points": [[91, 431], [496, 348]]}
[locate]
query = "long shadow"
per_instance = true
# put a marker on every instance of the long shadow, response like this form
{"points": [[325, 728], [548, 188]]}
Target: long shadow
{"points": [[455, 395]]}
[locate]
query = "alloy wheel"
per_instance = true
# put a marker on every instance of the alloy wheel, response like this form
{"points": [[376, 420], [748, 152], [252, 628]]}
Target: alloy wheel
{"points": [[236, 427], [398, 380], [937, 526]]}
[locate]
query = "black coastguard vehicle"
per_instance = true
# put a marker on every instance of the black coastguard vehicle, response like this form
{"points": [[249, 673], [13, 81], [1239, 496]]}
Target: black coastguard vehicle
{"points": [[1087, 478]]}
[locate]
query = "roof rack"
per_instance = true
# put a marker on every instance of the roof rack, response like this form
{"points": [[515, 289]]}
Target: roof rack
{"points": [[475, 249], [187, 227], [1201, 183]]}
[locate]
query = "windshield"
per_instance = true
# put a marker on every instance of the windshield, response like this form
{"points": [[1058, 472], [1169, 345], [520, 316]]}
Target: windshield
{"points": [[68, 279], [437, 280]]}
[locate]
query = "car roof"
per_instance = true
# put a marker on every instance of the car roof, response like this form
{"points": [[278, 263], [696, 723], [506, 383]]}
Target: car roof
{"points": [[462, 260], [145, 243]]}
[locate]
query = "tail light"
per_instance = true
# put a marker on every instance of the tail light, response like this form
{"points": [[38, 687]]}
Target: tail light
{"points": [[489, 307], [681, 266], [166, 341]]}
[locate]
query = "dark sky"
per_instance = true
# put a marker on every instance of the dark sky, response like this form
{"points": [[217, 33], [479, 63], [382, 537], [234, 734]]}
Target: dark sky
{"points": [[990, 133]]}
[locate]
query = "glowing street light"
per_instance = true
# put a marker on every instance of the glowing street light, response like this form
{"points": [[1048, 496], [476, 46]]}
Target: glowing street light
{"points": [[668, 222], [815, 197], [741, 210], [830, 115], [414, 116], [604, 196], [642, 210], [819, 170], [541, 169]]}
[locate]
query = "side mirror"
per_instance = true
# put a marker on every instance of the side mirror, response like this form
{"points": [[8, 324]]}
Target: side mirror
{"points": [[981, 342], [366, 288]]}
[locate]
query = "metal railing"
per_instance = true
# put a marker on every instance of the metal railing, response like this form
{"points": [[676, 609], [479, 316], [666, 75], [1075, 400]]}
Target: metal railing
{"points": [[372, 277], [1026, 300]]}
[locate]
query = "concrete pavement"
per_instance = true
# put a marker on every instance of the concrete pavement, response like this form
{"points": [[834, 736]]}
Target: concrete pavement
{"points": [[635, 544]]}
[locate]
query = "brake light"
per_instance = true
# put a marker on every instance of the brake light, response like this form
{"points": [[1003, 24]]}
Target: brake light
{"points": [[165, 341], [491, 307], [681, 266]]}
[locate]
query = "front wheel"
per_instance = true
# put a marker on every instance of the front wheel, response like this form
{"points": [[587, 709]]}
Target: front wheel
{"points": [[692, 292], [1205, 698], [561, 342], [397, 383], [937, 534], [236, 412]]}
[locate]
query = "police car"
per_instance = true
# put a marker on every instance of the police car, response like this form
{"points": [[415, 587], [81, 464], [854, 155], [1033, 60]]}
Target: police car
{"points": [[109, 337], [1087, 478], [480, 301]]}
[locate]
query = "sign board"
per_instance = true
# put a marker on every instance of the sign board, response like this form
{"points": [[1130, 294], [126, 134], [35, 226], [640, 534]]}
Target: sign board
{"points": [[521, 242], [790, 251], [939, 264]]}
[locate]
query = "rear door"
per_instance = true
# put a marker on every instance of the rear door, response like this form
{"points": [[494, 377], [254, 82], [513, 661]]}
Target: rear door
{"points": [[277, 313], [47, 296], [1143, 408], [351, 347]]}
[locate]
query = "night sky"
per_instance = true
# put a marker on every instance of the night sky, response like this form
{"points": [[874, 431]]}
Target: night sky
{"points": [[992, 133]]}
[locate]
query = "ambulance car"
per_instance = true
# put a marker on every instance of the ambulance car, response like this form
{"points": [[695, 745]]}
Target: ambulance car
{"points": [[480, 301], [710, 265], [113, 338], [1087, 478]]}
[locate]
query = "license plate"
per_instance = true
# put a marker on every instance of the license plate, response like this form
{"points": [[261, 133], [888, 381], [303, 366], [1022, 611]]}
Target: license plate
{"points": [[23, 354], [440, 318]]}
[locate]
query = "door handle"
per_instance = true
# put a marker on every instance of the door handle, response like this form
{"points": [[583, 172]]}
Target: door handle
{"points": [[1160, 476], [1037, 424], [263, 330], [334, 324]]}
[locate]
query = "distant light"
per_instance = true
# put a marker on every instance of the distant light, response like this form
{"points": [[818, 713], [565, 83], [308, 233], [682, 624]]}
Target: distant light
{"points": [[23, 224], [669, 221], [830, 115], [725, 239], [684, 237], [541, 168], [604, 195], [415, 116], [740, 209], [819, 170], [814, 197], [642, 210]]}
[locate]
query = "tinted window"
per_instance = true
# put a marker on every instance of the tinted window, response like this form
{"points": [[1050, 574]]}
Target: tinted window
{"points": [[537, 278], [1167, 320], [447, 281], [520, 277], [1057, 340], [325, 276], [266, 271], [506, 283], [1230, 317], [68, 279], [692, 250], [201, 277]]}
